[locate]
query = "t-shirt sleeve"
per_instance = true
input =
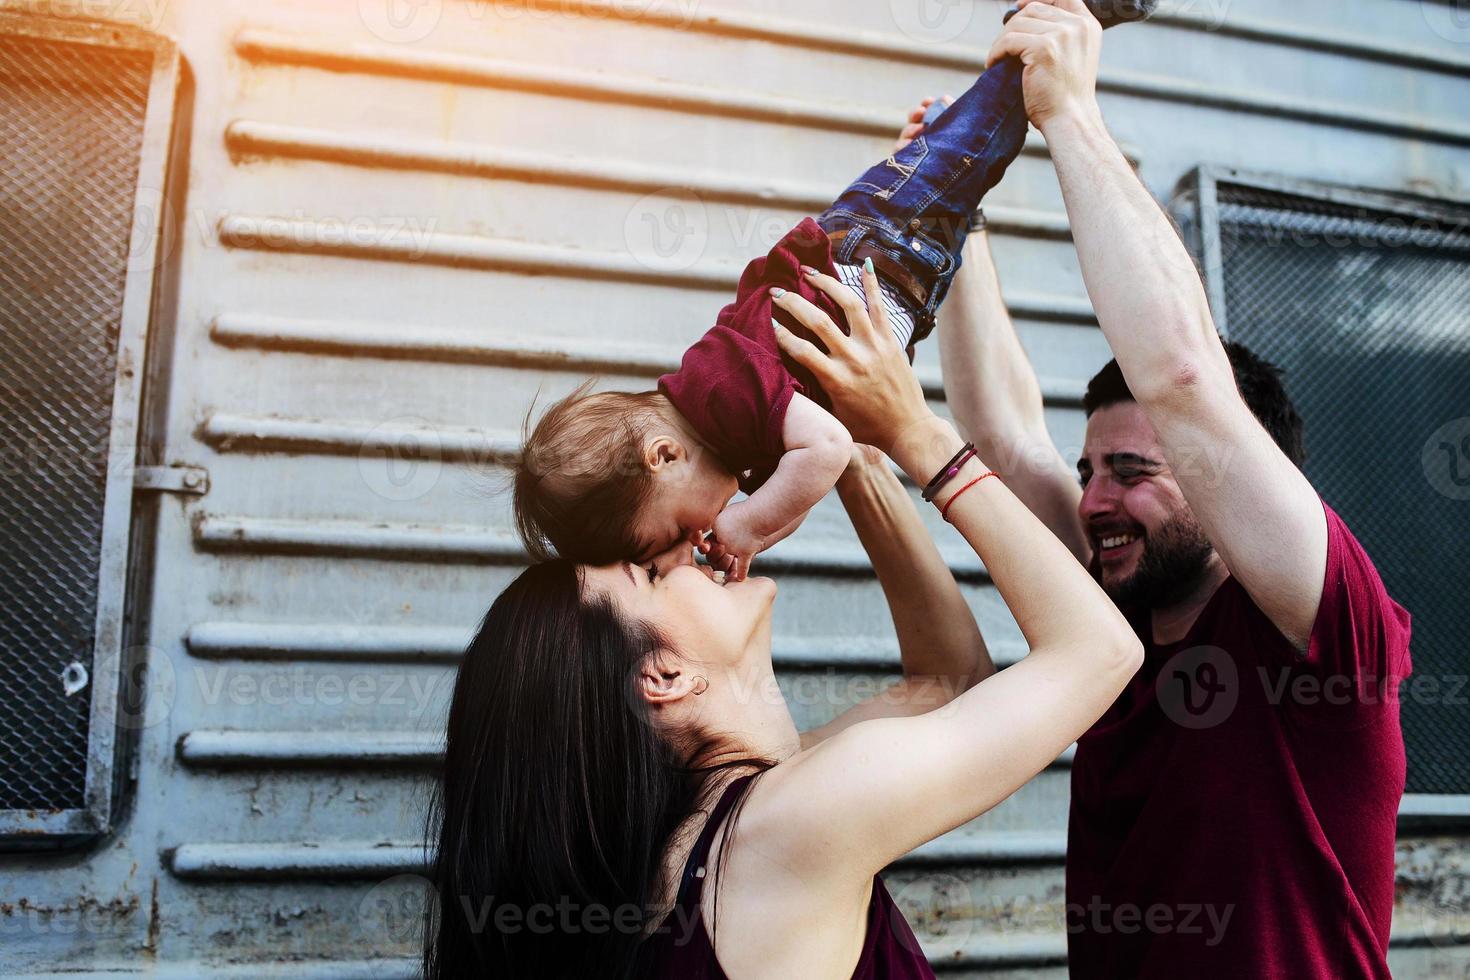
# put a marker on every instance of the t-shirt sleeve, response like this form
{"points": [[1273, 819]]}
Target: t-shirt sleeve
{"points": [[734, 386], [736, 399], [1361, 633]]}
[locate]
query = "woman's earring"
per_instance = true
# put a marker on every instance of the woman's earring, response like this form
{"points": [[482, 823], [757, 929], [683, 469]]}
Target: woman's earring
{"points": [[701, 684]]}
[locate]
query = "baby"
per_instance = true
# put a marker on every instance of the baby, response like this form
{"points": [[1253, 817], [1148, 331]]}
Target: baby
{"points": [[614, 476]]}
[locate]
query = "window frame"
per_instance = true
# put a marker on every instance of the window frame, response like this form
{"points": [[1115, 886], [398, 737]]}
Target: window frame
{"points": [[1195, 208], [107, 736]]}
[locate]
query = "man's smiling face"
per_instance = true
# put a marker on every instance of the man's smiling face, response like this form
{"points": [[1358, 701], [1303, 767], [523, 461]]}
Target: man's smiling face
{"points": [[1147, 546]]}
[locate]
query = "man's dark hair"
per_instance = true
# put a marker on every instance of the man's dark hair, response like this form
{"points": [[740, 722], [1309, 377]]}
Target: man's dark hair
{"points": [[1258, 380]]}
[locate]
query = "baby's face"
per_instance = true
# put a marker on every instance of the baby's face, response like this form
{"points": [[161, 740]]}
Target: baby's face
{"points": [[682, 510]]}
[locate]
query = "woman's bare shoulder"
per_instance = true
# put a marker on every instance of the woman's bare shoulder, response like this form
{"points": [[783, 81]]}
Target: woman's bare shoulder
{"points": [[808, 922]]}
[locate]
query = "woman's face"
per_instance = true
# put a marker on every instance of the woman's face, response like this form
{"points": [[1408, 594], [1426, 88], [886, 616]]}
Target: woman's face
{"points": [[700, 617]]}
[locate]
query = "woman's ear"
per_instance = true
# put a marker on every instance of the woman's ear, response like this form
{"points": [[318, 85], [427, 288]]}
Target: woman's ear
{"points": [[662, 451], [662, 685]]}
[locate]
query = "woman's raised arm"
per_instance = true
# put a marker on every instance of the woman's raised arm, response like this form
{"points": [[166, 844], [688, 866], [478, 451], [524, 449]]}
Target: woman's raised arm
{"points": [[939, 642], [882, 787]]}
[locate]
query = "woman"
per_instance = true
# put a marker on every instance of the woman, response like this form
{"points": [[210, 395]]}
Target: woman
{"points": [[607, 721]]}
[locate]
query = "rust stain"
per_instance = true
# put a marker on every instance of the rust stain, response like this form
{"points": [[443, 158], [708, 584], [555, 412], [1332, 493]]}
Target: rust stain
{"points": [[151, 946], [117, 908]]}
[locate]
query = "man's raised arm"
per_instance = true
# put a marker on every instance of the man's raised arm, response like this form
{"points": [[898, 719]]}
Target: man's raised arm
{"points": [[1257, 508]]}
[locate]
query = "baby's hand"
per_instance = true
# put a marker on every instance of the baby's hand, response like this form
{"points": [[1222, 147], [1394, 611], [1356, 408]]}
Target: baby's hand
{"points": [[915, 126], [735, 543]]}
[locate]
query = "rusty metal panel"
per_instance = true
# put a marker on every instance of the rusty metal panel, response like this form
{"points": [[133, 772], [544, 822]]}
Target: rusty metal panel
{"points": [[402, 224]]}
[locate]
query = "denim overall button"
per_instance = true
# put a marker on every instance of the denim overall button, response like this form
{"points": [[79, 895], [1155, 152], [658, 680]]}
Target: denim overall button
{"points": [[918, 247], [916, 224]]}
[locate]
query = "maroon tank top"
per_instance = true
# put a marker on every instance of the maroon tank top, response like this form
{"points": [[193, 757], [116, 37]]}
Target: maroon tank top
{"points": [[681, 949]]}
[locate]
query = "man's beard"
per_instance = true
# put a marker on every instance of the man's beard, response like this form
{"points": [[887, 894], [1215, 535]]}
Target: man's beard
{"points": [[1175, 558]]}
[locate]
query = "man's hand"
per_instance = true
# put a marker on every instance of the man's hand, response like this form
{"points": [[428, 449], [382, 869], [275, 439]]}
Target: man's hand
{"points": [[1058, 41], [872, 388]]}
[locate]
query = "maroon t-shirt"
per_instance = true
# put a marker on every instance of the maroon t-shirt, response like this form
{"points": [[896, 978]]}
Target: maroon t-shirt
{"points": [[734, 384], [1233, 813]]}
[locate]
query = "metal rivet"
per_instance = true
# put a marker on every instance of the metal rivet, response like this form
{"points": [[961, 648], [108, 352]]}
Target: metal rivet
{"points": [[916, 224], [918, 247]]}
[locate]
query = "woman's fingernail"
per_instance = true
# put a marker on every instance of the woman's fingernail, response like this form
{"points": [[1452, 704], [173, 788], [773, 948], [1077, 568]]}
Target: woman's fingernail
{"points": [[868, 265], [777, 292], [776, 325], [808, 270]]}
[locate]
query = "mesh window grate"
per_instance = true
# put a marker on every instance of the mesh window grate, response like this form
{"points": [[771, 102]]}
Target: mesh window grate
{"points": [[1369, 316], [71, 126]]}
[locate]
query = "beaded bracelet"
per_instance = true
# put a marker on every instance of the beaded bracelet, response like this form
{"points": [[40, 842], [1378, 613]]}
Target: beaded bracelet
{"points": [[948, 472]]}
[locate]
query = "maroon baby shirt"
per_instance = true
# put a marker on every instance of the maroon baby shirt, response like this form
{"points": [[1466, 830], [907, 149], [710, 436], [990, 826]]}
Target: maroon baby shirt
{"points": [[734, 384]]}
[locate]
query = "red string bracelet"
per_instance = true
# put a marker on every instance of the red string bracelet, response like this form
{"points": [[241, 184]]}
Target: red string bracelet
{"points": [[944, 511]]}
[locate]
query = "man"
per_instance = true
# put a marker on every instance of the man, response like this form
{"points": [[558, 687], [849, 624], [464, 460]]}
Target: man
{"points": [[1233, 814]]}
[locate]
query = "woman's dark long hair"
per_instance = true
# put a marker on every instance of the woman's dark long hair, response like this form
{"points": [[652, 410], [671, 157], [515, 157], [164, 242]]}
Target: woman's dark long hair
{"points": [[558, 797]]}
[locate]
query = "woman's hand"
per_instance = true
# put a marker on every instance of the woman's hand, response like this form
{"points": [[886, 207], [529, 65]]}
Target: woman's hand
{"points": [[872, 388]]}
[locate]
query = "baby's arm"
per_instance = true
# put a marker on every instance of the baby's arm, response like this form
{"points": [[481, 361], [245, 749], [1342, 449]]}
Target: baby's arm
{"points": [[817, 451]]}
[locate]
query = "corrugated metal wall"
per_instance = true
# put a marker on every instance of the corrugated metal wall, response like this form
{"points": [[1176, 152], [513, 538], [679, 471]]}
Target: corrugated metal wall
{"points": [[404, 221]]}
